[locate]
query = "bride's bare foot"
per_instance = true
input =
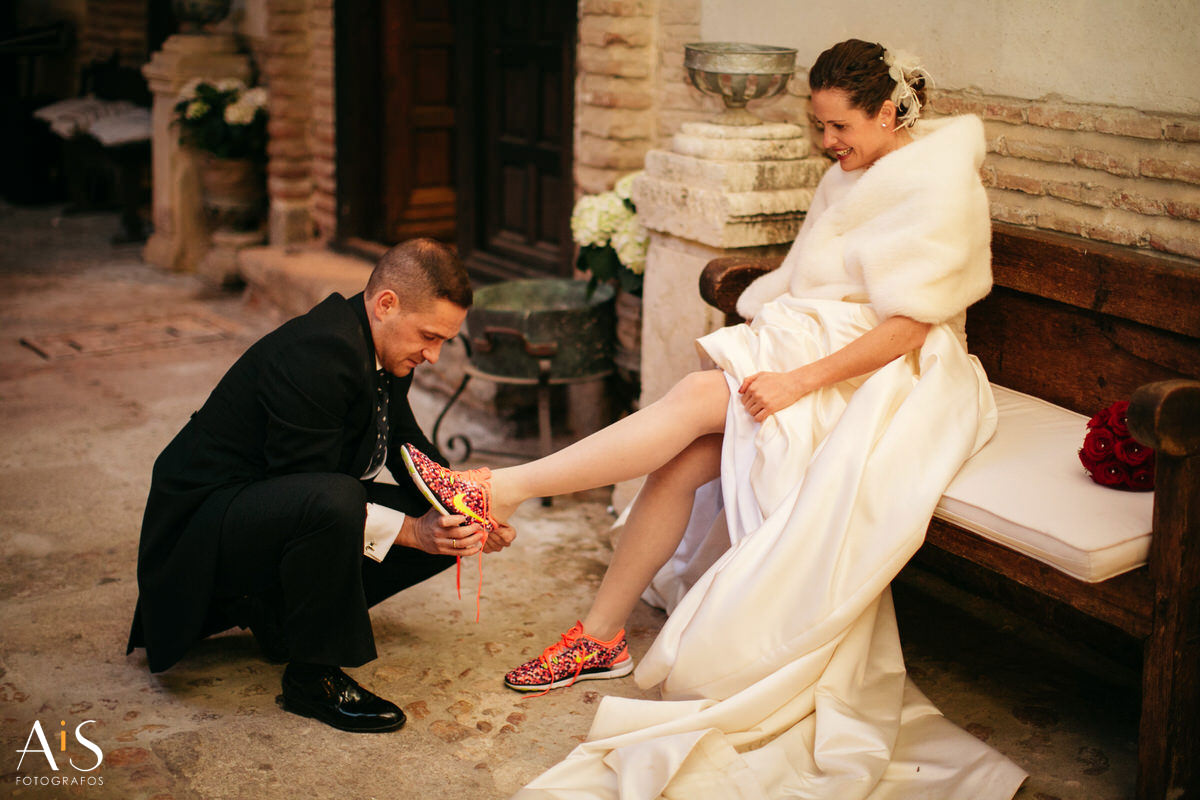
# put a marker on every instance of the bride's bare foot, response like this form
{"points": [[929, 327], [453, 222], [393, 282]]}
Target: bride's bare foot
{"points": [[504, 504]]}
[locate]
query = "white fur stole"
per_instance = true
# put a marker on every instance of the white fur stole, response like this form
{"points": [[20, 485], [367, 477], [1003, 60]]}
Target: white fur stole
{"points": [[914, 231]]}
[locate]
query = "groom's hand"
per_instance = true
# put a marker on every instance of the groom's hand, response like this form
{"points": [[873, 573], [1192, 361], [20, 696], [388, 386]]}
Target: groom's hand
{"points": [[447, 536], [499, 538]]}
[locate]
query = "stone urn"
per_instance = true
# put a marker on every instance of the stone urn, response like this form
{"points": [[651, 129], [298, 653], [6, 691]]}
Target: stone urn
{"points": [[193, 15], [234, 194]]}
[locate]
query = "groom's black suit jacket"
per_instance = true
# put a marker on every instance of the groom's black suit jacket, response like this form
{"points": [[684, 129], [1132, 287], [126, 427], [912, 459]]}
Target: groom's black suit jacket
{"points": [[300, 400]]}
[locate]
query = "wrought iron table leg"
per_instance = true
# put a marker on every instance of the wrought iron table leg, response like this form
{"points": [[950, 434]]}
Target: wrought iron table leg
{"points": [[545, 432], [457, 438]]}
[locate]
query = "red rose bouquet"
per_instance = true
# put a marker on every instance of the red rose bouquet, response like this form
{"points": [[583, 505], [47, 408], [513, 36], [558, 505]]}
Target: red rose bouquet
{"points": [[1114, 458]]}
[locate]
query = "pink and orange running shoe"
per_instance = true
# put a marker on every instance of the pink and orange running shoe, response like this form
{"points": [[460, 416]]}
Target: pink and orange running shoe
{"points": [[468, 493], [576, 657]]}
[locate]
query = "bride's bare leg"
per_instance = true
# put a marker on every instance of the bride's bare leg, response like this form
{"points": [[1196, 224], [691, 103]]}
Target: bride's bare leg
{"points": [[655, 526], [631, 447]]}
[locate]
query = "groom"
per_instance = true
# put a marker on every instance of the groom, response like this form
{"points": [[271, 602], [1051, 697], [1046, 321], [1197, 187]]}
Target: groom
{"points": [[263, 511]]}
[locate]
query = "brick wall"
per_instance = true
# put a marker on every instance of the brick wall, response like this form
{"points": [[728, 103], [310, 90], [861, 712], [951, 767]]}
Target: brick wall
{"points": [[615, 119], [297, 60], [115, 26], [322, 122], [1114, 174], [678, 100]]}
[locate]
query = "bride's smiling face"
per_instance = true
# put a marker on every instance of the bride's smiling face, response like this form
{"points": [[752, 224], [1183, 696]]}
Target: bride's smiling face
{"points": [[855, 139]]}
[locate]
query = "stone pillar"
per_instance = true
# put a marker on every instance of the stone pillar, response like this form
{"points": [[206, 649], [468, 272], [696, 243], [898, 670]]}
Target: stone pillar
{"points": [[719, 190], [180, 237]]}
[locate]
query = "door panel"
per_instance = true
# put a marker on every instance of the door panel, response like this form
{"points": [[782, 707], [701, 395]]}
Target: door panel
{"points": [[455, 120], [523, 67], [418, 160]]}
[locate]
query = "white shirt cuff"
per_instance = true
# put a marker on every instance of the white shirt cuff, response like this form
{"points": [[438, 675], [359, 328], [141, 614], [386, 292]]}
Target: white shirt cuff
{"points": [[383, 526]]}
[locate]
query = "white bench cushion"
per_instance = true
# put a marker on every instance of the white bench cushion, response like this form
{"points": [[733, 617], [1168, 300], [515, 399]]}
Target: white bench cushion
{"points": [[134, 125], [77, 115], [1027, 491]]}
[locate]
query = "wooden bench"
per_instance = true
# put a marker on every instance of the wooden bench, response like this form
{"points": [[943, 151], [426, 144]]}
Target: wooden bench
{"points": [[1083, 324], [106, 134]]}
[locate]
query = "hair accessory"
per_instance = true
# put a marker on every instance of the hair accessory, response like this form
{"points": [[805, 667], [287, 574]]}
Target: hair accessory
{"points": [[904, 69]]}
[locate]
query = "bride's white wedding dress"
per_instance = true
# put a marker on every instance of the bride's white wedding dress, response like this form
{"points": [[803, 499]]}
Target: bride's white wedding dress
{"points": [[780, 663]]}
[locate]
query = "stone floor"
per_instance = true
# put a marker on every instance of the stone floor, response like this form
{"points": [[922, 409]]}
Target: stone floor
{"points": [[78, 434]]}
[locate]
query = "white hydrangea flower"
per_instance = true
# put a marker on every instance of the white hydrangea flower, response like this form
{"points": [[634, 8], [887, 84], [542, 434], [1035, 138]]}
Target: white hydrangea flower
{"points": [[631, 241], [230, 85], [624, 187], [197, 109], [596, 217], [240, 113], [188, 92], [256, 97]]}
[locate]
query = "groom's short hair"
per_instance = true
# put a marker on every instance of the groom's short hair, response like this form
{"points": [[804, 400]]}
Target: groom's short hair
{"points": [[420, 270]]}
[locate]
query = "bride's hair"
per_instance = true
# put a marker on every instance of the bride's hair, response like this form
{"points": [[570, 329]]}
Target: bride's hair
{"points": [[863, 71]]}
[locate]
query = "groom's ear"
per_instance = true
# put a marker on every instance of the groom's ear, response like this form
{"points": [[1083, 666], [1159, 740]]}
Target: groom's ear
{"points": [[384, 304]]}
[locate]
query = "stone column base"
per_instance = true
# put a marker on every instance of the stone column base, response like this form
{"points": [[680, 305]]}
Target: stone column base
{"points": [[220, 264], [290, 222]]}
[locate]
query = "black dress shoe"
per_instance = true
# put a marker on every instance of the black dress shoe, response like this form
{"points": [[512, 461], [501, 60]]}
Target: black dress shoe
{"points": [[333, 697]]}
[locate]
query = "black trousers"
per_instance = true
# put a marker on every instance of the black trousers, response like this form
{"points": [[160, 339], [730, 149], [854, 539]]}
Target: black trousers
{"points": [[296, 542]]}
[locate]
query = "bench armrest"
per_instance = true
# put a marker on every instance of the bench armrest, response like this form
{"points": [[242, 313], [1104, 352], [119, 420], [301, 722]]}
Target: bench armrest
{"points": [[1166, 416], [724, 279]]}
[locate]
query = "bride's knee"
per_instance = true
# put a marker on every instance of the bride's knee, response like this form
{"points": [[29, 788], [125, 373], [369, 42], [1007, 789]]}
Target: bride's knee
{"points": [[701, 387], [700, 398]]}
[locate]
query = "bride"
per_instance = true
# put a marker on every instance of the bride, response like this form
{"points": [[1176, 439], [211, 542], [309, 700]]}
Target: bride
{"points": [[836, 419]]}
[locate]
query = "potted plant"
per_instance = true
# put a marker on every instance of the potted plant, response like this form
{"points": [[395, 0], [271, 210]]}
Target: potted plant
{"points": [[612, 243], [227, 122], [612, 248]]}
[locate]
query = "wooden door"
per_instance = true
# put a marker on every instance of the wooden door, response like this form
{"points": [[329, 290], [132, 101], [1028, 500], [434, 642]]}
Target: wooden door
{"points": [[418, 96], [396, 94], [515, 140], [454, 120]]}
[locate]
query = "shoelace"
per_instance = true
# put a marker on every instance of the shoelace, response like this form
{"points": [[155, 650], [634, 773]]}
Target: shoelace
{"points": [[479, 476], [550, 656], [458, 581]]}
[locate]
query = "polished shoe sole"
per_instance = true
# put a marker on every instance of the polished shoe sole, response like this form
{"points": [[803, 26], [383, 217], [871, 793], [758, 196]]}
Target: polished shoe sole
{"points": [[618, 670], [305, 710], [415, 474]]}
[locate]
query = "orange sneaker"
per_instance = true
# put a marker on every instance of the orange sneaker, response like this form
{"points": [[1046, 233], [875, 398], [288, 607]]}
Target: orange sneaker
{"points": [[576, 657], [468, 493]]}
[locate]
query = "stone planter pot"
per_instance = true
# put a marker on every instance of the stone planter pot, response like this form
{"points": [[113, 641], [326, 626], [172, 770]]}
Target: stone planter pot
{"points": [[234, 194], [515, 324], [627, 354]]}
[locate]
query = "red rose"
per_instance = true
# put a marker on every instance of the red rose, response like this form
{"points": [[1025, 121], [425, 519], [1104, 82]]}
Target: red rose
{"points": [[1117, 418], [1140, 479], [1097, 446], [1101, 418], [1110, 473], [1132, 452]]}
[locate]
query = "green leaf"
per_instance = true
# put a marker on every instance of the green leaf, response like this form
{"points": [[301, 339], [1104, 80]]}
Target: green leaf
{"points": [[630, 282]]}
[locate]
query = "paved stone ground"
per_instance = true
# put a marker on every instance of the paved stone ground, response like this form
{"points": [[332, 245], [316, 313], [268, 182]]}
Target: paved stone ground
{"points": [[78, 435]]}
